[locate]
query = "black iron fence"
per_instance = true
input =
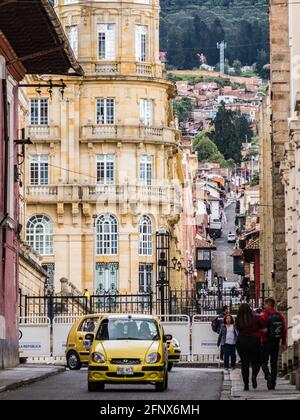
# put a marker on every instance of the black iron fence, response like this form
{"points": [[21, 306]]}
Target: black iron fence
{"points": [[189, 302]]}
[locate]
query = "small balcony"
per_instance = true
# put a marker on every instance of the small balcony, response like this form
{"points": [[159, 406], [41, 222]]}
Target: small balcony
{"points": [[107, 68], [102, 193], [143, 69], [42, 193], [132, 193], [129, 132], [52, 193], [43, 132]]}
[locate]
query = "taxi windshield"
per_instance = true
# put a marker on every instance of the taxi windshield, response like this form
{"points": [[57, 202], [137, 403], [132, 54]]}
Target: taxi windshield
{"points": [[128, 329]]}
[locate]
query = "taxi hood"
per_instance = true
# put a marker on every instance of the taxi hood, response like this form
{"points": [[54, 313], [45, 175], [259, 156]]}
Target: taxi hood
{"points": [[114, 349]]}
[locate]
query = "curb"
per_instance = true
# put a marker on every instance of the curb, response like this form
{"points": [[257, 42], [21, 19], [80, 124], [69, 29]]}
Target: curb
{"points": [[15, 385], [226, 389], [199, 365]]}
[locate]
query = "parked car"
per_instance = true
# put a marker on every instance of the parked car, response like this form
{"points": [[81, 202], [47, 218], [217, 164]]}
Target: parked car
{"points": [[174, 353], [231, 238], [78, 350], [128, 349]]}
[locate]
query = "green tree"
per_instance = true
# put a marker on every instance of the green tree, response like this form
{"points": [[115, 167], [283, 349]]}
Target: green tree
{"points": [[262, 61], [255, 180], [207, 150], [231, 129], [237, 65], [183, 109]]}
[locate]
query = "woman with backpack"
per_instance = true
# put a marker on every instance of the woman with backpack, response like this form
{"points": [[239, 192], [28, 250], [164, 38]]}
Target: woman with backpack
{"points": [[228, 339], [249, 327]]}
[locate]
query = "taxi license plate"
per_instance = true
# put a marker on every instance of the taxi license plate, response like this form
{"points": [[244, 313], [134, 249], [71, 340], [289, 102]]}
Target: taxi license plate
{"points": [[125, 370]]}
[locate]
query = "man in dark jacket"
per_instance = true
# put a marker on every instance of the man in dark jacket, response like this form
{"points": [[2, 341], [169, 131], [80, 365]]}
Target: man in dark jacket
{"points": [[273, 341]]}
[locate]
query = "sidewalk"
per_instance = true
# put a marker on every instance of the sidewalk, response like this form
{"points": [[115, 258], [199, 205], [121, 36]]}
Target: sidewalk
{"points": [[233, 389], [26, 374]]}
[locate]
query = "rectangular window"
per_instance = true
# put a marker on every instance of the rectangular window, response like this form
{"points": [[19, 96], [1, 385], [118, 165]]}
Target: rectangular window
{"points": [[145, 278], [146, 175], [203, 255], [146, 111], [107, 42], [39, 111], [106, 111], [39, 170], [141, 43], [107, 277], [105, 169], [73, 39]]}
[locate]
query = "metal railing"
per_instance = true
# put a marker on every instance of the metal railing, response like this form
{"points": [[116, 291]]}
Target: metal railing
{"points": [[188, 302]]}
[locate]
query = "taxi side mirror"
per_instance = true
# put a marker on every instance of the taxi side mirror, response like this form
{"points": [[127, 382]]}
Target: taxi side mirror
{"points": [[167, 337]]}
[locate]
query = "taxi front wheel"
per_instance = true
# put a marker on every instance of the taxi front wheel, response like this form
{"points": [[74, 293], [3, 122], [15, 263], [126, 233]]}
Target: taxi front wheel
{"points": [[94, 386], [162, 386], [73, 361]]}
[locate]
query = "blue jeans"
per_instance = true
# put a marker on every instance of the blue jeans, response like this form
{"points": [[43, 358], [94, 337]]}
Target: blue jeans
{"points": [[229, 353]]}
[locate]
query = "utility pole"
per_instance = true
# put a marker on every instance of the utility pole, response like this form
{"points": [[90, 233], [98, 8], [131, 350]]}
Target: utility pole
{"points": [[222, 46]]}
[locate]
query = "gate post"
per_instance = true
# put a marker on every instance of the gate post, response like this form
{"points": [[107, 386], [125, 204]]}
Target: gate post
{"points": [[50, 310], [151, 302]]}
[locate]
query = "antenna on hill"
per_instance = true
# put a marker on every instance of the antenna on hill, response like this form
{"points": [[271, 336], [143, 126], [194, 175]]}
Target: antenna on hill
{"points": [[222, 46]]}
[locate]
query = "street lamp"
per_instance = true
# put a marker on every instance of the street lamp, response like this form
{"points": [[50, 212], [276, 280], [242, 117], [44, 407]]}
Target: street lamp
{"points": [[95, 217], [163, 267], [176, 264]]}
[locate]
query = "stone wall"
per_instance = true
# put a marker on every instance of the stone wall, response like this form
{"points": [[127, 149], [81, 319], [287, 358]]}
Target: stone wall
{"points": [[280, 102]]}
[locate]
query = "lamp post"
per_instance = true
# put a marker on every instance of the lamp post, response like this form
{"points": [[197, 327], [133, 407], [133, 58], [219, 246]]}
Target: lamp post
{"points": [[95, 217], [163, 267]]}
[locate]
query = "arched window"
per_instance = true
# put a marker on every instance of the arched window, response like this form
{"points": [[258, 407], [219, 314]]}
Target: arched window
{"points": [[145, 238], [107, 235], [39, 233]]}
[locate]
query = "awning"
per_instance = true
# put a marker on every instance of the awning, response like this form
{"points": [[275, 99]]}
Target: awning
{"points": [[35, 33]]}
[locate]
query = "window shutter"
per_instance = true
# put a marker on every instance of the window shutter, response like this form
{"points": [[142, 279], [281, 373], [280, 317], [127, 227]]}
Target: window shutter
{"points": [[142, 111], [138, 43], [148, 112], [111, 43]]}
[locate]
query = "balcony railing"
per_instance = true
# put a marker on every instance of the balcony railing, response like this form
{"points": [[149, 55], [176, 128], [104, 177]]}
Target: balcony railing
{"points": [[128, 132], [43, 132], [42, 190], [107, 68], [144, 69], [132, 193], [53, 193]]}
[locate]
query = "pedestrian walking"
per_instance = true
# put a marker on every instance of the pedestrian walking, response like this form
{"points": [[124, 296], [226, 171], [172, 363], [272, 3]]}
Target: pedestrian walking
{"points": [[228, 338], [249, 327], [217, 324], [273, 340]]}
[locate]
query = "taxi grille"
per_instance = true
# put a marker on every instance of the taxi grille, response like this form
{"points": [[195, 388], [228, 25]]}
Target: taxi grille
{"points": [[125, 361], [115, 375]]}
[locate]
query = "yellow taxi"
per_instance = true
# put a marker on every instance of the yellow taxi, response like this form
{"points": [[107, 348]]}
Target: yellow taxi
{"points": [[129, 349], [174, 353], [78, 341]]}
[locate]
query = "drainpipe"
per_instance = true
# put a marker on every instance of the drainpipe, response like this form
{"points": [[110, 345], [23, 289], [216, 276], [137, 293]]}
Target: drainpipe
{"points": [[6, 167]]}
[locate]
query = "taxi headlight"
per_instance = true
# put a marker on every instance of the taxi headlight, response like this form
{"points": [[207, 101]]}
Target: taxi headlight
{"points": [[98, 358], [153, 358], [175, 342]]}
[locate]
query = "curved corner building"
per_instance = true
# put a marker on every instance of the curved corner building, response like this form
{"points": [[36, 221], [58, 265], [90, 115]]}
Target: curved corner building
{"points": [[104, 172]]}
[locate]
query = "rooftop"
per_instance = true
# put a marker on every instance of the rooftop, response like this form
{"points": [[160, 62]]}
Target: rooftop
{"points": [[34, 31]]}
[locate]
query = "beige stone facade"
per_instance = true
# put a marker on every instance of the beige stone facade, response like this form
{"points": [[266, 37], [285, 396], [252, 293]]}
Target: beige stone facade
{"points": [[32, 277], [280, 149], [290, 174], [280, 103], [104, 172], [266, 195]]}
